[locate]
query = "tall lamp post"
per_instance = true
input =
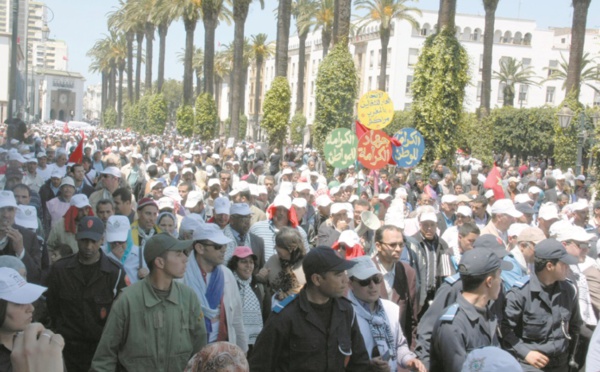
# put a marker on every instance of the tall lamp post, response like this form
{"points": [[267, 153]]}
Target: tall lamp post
{"points": [[565, 116]]}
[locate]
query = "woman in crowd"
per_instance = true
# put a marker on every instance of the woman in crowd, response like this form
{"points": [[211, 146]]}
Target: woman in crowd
{"points": [[166, 221], [255, 299], [119, 246], [58, 206], [286, 276]]}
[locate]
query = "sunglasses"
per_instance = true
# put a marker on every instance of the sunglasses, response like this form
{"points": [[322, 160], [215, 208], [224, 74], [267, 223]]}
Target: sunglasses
{"points": [[377, 279], [215, 246]]}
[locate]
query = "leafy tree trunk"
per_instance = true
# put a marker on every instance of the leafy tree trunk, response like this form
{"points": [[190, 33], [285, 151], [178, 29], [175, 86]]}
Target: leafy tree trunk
{"points": [[301, 62], [240, 12], [217, 94], [149, 41], [210, 24], [198, 82], [509, 96], [446, 15], [120, 96], [130, 35], [336, 20], [112, 88], [580, 11], [257, 90], [343, 30], [188, 69], [243, 90], [284, 18], [488, 45], [104, 93], [138, 64], [326, 35], [162, 34], [385, 40]]}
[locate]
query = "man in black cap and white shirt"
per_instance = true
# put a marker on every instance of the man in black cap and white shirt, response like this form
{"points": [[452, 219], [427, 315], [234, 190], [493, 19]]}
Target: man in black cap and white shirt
{"points": [[315, 330], [541, 316], [469, 324]]}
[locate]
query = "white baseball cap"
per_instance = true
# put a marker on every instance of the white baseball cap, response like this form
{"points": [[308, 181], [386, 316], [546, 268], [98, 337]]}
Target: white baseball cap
{"points": [[165, 202], [13, 288], [172, 192], [449, 198], [113, 171], [190, 222], [363, 269], [187, 170], [287, 171], [338, 207], [117, 228], [222, 205], [506, 206], [522, 198], [7, 199], [26, 217], [67, 181], [548, 212], [349, 237], [241, 209], [213, 181], [488, 194], [516, 228], [286, 188], [56, 173], [80, 201], [173, 168], [323, 201], [193, 198], [299, 202], [212, 232], [302, 186], [534, 190], [464, 210], [428, 216], [282, 201]]}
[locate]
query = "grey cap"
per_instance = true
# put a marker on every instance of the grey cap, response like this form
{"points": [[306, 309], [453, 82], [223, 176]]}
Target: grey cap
{"points": [[491, 242], [524, 208], [163, 242], [552, 249], [481, 261]]}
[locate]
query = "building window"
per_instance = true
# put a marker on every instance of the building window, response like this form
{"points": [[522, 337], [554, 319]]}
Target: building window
{"points": [[523, 90], [480, 62], [313, 67], [526, 62], [370, 83], [552, 65], [409, 80], [501, 86], [379, 59], [596, 99], [413, 56], [387, 83], [550, 94], [293, 69], [312, 88], [371, 56], [479, 90], [389, 57]]}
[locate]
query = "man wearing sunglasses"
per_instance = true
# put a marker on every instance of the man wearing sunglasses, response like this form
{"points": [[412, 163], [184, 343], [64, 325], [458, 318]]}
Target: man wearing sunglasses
{"points": [[110, 177], [215, 286], [378, 320]]}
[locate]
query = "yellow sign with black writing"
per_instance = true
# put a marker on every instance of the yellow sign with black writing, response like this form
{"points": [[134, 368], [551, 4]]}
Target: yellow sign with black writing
{"points": [[375, 109]]}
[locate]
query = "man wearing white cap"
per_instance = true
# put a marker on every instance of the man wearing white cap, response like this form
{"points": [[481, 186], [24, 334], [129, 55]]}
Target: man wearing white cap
{"points": [[195, 203], [216, 287], [243, 194], [32, 178], [110, 177], [18, 241], [504, 214], [429, 249], [237, 231], [378, 320], [120, 248], [451, 235], [329, 231], [221, 215], [279, 214], [57, 207], [63, 232], [547, 216], [581, 190], [447, 216]]}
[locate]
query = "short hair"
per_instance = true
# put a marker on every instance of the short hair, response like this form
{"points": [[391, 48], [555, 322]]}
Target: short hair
{"points": [[384, 228], [76, 165], [150, 264], [124, 193], [245, 194], [106, 202], [224, 171], [289, 239], [86, 159], [186, 183], [22, 186], [234, 260], [471, 282], [480, 199], [540, 263], [468, 228], [362, 203], [270, 178], [64, 250], [152, 171]]}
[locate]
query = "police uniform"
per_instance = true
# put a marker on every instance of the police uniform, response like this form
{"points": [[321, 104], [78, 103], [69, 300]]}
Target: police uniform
{"points": [[542, 319], [464, 327]]}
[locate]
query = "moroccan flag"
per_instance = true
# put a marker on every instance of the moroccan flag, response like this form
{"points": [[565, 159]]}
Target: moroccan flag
{"points": [[77, 155], [494, 182]]}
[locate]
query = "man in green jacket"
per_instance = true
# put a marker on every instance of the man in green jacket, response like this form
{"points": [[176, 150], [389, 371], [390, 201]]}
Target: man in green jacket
{"points": [[157, 323]]}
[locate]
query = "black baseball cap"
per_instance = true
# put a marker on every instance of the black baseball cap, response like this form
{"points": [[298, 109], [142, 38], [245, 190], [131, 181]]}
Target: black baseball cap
{"points": [[491, 242], [323, 259], [163, 242], [481, 261], [90, 227], [524, 208], [552, 249]]}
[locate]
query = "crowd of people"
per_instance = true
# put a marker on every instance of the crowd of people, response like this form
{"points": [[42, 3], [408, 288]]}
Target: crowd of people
{"points": [[126, 252]]}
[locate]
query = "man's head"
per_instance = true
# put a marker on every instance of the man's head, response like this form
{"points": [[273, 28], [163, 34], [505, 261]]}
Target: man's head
{"points": [[78, 173], [478, 206], [365, 279], [360, 205], [110, 178], [269, 183], [222, 206], [339, 215], [210, 244], [574, 238], [122, 198], [8, 210], [428, 225], [480, 270], [22, 194], [448, 205], [166, 256], [104, 209], [184, 189], [240, 217], [467, 234], [156, 189], [580, 213], [225, 180], [282, 204], [552, 261], [195, 202], [389, 243], [325, 272], [147, 212], [527, 240], [504, 214], [90, 236]]}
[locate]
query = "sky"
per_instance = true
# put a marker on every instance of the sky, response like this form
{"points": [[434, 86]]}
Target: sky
{"points": [[83, 22]]}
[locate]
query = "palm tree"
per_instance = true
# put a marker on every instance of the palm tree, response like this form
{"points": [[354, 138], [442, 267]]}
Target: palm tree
{"points": [[162, 17], [240, 13], [590, 72], [212, 12], [190, 12], [260, 51], [342, 31], [101, 63], [323, 20], [144, 10], [447, 15], [118, 56], [384, 12], [284, 17], [119, 20], [488, 45], [137, 19], [198, 66], [580, 11], [222, 68], [513, 72], [303, 11]]}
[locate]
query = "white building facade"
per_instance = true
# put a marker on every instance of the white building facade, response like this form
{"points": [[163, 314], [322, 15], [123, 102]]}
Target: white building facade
{"points": [[520, 39]]}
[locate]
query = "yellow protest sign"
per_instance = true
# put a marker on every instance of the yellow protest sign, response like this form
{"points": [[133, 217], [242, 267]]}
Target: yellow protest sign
{"points": [[375, 109]]}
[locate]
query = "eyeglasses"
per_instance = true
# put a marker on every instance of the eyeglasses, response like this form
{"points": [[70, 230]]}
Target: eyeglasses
{"points": [[394, 245], [581, 245], [118, 243], [216, 247], [365, 282]]}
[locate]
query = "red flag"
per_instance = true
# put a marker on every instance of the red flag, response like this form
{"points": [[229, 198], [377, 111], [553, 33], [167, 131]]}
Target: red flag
{"points": [[66, 127], [494, 182], [361, 130], [77, 155]]}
